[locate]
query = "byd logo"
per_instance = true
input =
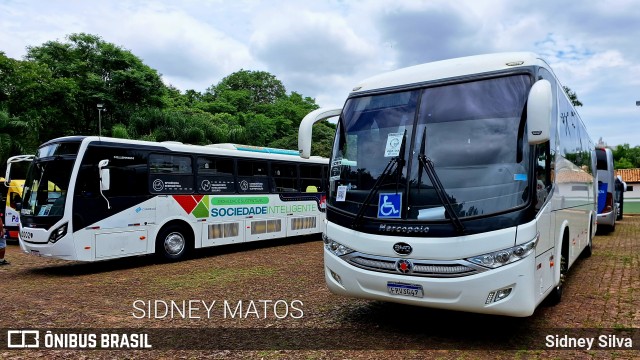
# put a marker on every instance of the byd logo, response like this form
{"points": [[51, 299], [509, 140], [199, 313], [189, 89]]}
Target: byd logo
{"points": [[22, 339]]}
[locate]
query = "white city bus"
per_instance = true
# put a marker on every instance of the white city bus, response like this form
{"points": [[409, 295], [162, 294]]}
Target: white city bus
{"points": [[464, 184], [96, 198]]}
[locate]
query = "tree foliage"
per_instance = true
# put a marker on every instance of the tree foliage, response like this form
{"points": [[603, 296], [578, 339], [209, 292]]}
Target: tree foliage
{"points": [[626, 157], [89, 71], [573, 97], [55, 90]]}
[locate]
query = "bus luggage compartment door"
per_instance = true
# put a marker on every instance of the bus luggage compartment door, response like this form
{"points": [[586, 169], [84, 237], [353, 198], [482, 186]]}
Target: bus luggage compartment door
{"points": [[121, 243]]}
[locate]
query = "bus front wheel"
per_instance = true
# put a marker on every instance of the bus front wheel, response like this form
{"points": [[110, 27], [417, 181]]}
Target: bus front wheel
{"points": [[556, 294], [172, 243]]}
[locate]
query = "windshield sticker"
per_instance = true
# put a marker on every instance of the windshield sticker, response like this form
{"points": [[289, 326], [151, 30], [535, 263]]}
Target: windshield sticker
{"points": [[389, 206], [520, 177], [341, 194], [44, 210], [394, 140], [436, 213], [334, 172]]}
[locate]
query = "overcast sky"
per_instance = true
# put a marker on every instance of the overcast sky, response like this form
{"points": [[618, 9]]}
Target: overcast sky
{"points": [[322, 48]]}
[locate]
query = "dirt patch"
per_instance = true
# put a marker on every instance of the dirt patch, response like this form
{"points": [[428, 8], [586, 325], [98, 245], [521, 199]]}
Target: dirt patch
{"points": [[269, 300]]}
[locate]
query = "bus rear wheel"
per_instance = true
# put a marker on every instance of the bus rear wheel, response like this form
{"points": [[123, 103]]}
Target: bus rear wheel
{"points": [[172, 243], [556, 294], [588, 250]]}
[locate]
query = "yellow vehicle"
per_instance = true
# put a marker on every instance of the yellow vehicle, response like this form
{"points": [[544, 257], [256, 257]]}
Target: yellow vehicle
{"points": [[11, 197]]}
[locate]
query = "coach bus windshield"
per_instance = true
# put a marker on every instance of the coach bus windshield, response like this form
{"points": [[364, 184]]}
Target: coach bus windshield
{"points": [[47, 182], [471, 132]]}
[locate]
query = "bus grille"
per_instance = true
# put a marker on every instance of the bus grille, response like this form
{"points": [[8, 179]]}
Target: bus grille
{"points": [[424, 268]]}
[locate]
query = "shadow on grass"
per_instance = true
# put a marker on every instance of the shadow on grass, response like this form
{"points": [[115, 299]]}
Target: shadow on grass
{"points": [[413, 327], [84, 268]]}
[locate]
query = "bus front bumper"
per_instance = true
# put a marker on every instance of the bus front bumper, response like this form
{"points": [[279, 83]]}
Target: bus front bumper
{"points": [[60, 250], [469, 293]]}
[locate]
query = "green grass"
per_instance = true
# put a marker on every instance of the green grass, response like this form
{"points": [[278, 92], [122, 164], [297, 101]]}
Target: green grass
{"points": [[632, 207]]}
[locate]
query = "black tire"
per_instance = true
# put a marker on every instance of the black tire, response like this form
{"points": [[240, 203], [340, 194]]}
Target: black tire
{"points": [[588, 251], [621, 206], [606, 229], [173, 243], [620, 212], [555, 296]]}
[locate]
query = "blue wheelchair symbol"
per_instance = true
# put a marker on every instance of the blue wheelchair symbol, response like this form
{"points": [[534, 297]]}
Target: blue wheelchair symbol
{"points": [[389, 206]]}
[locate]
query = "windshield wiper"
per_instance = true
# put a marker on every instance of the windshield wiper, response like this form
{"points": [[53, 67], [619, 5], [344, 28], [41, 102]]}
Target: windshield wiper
{"points": [[398, 162], [427, 165]]}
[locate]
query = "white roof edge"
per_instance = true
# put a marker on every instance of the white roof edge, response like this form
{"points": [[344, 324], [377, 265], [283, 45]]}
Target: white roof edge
{"points": [[449, 68]]}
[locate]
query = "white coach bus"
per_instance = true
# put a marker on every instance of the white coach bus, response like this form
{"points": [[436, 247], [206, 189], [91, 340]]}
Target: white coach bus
{"points": [[464, 184], [96, 198]]}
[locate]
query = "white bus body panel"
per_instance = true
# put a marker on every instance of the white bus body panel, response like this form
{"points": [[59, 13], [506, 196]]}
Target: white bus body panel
{"points": [[121, 243], [38, 243], [531, 278], [463, 294]]}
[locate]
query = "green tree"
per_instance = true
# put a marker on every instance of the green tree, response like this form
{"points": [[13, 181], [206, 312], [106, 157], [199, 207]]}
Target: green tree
{"points": [[260, 86], [572, 96], [10, 140], [33, 100], [626, 157], [120, 131], [623, 163], [98, 72]]}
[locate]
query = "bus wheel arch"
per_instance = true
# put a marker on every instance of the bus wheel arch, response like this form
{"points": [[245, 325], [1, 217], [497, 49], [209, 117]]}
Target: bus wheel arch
{"points": [[588, 250], [556, 293], [174, 240]]}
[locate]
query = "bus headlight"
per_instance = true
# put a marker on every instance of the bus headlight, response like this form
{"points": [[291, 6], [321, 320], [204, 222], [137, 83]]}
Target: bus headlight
{"points": [[507, 256], [58, 233], [335, 247]]}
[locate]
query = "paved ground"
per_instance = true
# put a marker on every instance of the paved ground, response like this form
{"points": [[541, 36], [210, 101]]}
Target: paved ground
{"points": [[288, 312]]}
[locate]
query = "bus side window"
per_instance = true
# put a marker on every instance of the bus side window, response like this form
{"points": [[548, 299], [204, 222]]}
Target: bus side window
{"points": [[252, 176], [285, 177], [15, 200], [311, 177]]}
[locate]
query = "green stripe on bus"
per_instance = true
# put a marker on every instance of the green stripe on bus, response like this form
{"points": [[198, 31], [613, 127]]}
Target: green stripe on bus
{"points": [[253, 200]]}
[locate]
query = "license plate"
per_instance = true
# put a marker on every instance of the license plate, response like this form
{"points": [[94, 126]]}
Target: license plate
{"points": [[35, 253], [403, 289]]}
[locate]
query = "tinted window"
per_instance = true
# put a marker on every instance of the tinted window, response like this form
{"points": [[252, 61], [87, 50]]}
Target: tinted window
{"points": [[215, 175], [285, 177], [127, 168], [252, 176], [601, 156], [170, 174], [311, 178]]}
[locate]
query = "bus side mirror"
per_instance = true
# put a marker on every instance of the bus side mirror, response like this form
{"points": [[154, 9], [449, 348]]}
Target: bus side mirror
{"points": [[306, 128], [105, 178], [539, 106]]}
